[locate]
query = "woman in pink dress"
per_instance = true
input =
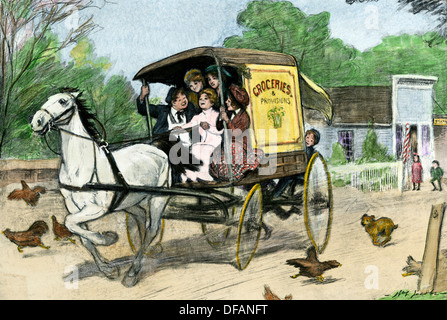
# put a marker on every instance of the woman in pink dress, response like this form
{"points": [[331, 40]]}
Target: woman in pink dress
{"points": [[210, 136], [416, 172]]}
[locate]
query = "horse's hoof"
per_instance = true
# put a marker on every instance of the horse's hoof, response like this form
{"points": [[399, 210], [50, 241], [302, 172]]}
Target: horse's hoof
{"points": [[110, 238], [130, 281], [111, 273]]}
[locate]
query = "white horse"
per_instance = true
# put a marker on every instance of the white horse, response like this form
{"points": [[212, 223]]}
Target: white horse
{"points": [[84, 161]]}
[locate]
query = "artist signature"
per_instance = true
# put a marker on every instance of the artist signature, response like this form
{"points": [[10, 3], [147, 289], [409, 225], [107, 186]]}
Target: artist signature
{"points": [[360, 1]]}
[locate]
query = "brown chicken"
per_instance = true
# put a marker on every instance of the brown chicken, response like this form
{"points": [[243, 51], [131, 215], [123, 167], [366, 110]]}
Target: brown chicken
{"points": [[30, 196], [413, 267], [61, 231], [311, 267], [28, 238], [269, 295]]}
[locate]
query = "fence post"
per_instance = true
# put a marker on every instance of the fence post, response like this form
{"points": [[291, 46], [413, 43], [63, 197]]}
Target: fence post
{"points": [[400, 176], [430, 259]]}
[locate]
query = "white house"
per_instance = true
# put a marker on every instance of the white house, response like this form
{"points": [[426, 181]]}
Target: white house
{"points": [[412, 104], [388, 109]]}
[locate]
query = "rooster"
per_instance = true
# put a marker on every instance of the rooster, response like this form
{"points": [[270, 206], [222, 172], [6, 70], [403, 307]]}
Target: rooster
{"points": [[61, 231], [30, 196], [28, 238], [310, 266], [269, 295], [413, 267]]}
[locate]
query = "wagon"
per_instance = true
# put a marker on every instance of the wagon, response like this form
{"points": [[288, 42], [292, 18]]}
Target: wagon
{"points": [[278, 93]]}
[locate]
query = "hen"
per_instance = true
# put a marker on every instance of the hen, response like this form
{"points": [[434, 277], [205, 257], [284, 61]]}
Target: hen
{"points": [[269, 295], [61, 231], [311, 267], [413, 267], [30, 196], [28, 238]]}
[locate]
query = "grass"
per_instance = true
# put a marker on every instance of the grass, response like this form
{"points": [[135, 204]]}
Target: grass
{"points": [[413, 295]]}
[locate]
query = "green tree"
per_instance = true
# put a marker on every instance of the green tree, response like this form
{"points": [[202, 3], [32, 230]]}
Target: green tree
{"points": [[31, 91], [112, 100], [405, 54], [372, 150], [338, 156], [280, 27], [24, 29]]}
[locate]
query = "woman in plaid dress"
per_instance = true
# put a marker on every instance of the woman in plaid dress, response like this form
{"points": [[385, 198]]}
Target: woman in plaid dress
{"points": [[237, 119]]}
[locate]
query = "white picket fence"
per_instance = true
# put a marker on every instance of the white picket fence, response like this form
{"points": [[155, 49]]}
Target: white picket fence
{"points": [[369, 177]]}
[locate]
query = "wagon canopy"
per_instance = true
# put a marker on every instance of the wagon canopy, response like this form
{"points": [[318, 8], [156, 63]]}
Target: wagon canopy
{"points": [[171, 70]]}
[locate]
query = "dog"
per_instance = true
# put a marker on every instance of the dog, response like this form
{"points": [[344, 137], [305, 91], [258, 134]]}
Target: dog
{"points": [[379, 230]]}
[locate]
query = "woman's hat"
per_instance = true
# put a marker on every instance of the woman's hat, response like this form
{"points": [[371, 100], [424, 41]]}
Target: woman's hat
{"points": [[213, 69], [240, 94]]}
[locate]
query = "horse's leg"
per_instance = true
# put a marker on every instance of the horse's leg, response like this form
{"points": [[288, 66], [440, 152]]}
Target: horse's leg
{"points": [[74, 222], [111, 272], [156, 209], [139, 214]]}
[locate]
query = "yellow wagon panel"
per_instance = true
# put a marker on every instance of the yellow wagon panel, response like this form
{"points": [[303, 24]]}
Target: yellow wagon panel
{"points": [[275, 108]]}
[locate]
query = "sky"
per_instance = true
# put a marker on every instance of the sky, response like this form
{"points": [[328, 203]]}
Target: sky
{"points": [[134, 33]]}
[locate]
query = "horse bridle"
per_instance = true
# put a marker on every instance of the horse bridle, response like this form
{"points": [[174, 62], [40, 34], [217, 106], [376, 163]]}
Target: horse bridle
{"points": [[55, 120]]}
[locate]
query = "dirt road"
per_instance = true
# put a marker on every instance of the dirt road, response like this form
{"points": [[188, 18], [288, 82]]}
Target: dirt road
{"points": [[188, 268]]}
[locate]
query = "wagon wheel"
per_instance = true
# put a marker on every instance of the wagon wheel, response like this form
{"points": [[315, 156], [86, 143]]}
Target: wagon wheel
{"points": [[249, 230], [215, 234], [133, 236], [318, 202]]}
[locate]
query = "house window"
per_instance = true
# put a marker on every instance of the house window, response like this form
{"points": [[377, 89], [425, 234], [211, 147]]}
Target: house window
{"points": [[346, 139], [399, 134]]}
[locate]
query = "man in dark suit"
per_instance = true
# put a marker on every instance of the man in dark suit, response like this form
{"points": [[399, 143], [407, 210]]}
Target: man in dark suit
{"points": [[177, 112]]}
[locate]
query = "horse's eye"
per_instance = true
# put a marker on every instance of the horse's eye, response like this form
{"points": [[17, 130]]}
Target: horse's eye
{"points": [[62, 101]]}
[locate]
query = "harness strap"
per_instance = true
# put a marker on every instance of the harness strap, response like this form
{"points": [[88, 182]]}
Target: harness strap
{"points": [[118, 197]]}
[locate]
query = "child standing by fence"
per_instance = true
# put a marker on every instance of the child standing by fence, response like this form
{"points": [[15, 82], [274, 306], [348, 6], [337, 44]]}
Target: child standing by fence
{"points": [[416, 172], [436, 174]]}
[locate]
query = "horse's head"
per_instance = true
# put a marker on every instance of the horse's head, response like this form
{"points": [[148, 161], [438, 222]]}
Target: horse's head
{"points": [[58, 110]]}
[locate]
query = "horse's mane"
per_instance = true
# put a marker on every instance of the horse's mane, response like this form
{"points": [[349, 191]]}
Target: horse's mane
{"points": [[88, 118]]}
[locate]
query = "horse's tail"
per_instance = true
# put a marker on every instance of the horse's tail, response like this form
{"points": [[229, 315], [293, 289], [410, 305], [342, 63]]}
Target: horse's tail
{"points": [[179, 156]]}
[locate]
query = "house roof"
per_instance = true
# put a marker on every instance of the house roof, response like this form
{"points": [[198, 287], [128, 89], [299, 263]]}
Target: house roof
{"points": [[360, 105]]}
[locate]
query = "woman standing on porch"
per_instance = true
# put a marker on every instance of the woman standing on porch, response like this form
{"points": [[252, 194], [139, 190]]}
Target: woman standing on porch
{"points": [[416, 172]]}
